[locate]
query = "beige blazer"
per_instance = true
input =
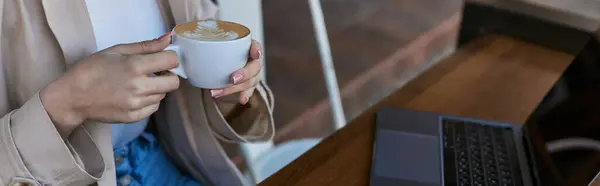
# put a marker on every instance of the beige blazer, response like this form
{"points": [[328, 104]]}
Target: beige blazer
{"points": [[40, 39]]}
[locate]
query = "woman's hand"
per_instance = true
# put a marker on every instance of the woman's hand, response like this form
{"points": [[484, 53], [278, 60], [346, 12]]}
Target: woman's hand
{"points": [[244, 81], [112, 85]]}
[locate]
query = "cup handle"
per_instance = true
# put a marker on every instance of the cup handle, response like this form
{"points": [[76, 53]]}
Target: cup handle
{"points": [[179, 69]]}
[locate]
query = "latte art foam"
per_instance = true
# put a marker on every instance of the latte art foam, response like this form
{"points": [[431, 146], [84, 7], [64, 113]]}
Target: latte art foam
{"points": [[209, 30]]}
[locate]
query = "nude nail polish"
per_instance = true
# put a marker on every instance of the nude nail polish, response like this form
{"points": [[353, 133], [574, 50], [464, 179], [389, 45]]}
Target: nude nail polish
{"points": [[216, 92], [164, 36], [237, 78], [245, 100]]}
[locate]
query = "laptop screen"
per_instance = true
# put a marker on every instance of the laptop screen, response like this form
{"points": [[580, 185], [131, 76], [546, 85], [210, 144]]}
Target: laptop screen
{"points": [[564, 130]]}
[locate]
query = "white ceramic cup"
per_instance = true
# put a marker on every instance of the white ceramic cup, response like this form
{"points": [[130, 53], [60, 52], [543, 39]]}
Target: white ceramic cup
{"points": [[209, 64]]}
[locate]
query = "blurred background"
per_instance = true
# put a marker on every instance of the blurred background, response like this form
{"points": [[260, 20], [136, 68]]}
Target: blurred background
{"points": [[377, 46]]}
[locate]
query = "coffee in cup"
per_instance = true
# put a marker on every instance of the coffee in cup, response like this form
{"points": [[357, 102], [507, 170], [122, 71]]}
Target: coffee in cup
{"points": [[209, 51], [211, 30]]}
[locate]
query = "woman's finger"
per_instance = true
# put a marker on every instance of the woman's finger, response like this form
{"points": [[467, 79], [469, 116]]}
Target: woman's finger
{"points": [[246, 95], [160, 84], [151, 99], [144, 101], [139, 114], [255, 50], [235, 88], [251, 70]]}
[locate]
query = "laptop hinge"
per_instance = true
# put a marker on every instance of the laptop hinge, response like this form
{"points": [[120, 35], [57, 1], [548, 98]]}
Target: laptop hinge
{"points": [[531, 161]]}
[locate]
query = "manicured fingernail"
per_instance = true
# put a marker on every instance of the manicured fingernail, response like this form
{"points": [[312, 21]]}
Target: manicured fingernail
{"points": [[259, 54], [245, 100], [237, 78], [216, 92], [164, 36]]}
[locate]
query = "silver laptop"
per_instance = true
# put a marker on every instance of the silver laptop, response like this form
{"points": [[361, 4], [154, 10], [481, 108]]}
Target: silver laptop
{"points": [[559, 141]]}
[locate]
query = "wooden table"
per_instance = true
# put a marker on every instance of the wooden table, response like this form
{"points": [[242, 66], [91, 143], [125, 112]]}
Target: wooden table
{"points": [[494, 77]]}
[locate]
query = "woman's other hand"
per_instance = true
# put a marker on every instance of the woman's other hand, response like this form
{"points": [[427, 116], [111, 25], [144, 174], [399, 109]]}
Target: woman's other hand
{"points": [[112, 85], [245, 80]]}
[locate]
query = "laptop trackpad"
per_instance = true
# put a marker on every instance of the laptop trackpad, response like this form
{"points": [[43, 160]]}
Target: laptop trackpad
{"points": [[408, 156]]}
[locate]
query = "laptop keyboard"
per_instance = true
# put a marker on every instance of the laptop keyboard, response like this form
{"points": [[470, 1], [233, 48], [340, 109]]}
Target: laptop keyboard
{"points": [[476, 154]]}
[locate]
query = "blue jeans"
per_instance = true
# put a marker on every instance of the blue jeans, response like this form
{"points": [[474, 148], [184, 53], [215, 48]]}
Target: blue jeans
{"points": [[143, 162]]}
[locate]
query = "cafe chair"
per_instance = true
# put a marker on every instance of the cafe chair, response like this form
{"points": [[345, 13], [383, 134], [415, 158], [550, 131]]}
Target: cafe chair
{"points": [[581, 173], [264, 159], [576, 143]]}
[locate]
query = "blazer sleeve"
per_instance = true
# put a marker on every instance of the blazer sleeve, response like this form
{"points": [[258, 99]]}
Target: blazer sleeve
{"points": [[34, 153], [194, 10], [232, 122]]}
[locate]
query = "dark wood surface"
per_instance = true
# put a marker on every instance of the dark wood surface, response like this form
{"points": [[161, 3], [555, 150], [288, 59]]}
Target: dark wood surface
{"points": [[494, 77]]}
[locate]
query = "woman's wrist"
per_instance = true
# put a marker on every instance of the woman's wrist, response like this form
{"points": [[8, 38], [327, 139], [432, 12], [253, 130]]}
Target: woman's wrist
{"points": [[56, 100]]}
